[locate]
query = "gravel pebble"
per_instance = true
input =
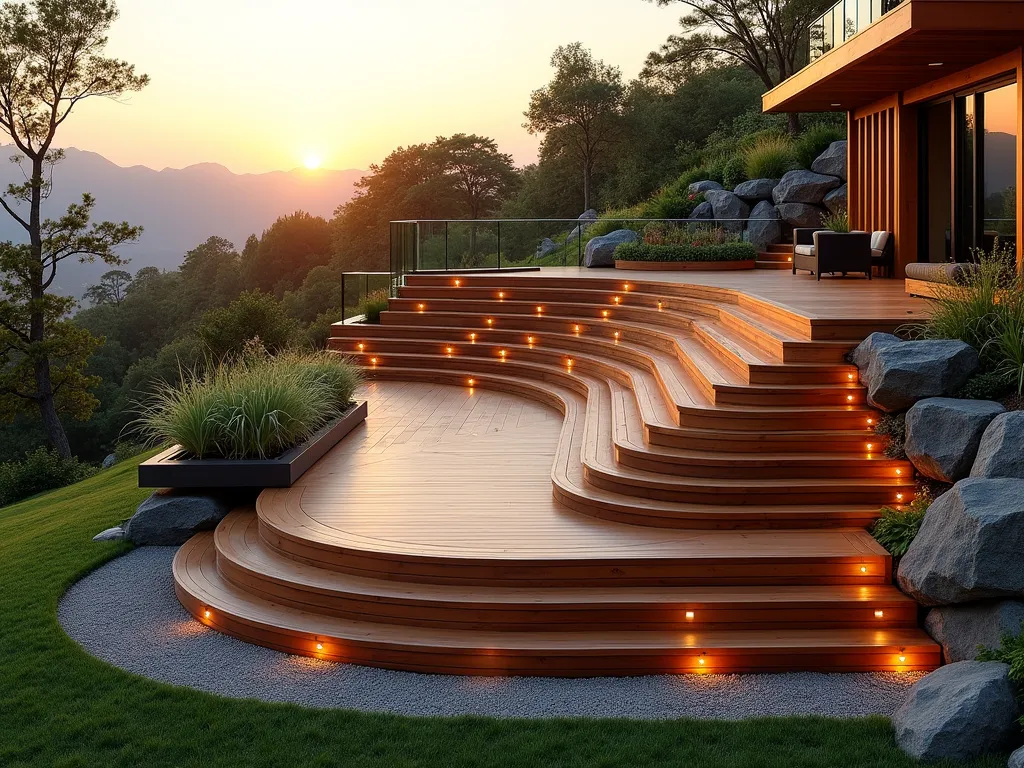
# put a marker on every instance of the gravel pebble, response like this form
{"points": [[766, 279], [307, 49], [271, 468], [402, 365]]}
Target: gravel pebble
{"points": [[126, 613]]}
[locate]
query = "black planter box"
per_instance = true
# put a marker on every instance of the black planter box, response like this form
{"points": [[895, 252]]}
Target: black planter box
{"points": [[168, 470]]}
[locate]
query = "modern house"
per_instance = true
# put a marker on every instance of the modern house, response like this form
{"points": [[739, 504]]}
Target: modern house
{"points": [[933, 94]]}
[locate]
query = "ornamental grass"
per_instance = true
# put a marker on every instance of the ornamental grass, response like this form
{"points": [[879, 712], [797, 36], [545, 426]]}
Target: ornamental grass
{"points": [[255, 407], [986, 310]]}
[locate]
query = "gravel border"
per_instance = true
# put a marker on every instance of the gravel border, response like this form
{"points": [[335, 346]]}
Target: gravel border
{"points": [[126, 613]]}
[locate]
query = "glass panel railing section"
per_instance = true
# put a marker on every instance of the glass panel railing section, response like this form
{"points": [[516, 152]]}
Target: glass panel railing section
{"points": [[844, 20], [490, 244], [358, 287]]}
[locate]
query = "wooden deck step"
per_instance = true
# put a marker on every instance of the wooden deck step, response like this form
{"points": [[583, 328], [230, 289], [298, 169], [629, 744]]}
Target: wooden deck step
{"points": [[687, 396], [632, 450], [663, 424], [217, 602], [713, 504], [244, 560], [785, 337]]}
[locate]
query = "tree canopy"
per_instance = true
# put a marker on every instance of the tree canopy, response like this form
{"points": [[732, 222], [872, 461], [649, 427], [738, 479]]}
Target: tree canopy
{"points": [[111, 289], [51, 59], [767, 36], [580, 108]]}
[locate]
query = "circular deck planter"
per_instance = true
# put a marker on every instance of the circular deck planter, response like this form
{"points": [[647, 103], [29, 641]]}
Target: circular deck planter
{"points": [[686, 266]]}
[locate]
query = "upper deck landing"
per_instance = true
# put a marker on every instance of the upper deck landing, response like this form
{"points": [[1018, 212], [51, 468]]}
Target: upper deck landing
{"points": [[860, 305]]}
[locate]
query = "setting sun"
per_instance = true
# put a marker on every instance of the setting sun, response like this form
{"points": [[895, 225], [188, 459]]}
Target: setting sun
{"points": [[312, 161]]}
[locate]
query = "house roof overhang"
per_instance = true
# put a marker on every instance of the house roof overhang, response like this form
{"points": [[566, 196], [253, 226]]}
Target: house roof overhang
{"points": [[918, 42]]}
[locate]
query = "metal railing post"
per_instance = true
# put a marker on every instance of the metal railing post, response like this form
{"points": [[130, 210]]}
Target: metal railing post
{"points": [[343, 297], [499, 245], [446, 246]]}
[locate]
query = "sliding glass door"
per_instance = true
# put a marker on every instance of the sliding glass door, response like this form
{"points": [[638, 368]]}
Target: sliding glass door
{"points": [[968, 187]]}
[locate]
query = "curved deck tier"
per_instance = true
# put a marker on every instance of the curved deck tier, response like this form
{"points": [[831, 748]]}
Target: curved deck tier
{"points": [[581, 476]]}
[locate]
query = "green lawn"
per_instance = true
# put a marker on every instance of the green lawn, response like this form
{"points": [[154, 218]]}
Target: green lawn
{"points": [[61, 707]]}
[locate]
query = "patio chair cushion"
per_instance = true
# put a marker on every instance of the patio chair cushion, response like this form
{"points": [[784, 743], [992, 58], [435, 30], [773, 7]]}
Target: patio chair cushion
{"points": [[939, 273], [879, 240], [804, 250]]}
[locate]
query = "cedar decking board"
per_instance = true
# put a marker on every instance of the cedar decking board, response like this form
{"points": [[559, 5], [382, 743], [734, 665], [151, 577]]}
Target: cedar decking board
{"points": [[690, 494]]}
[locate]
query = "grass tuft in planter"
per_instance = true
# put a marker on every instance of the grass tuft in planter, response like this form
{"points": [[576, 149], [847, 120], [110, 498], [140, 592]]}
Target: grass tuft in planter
{"points": [[254, 408]]}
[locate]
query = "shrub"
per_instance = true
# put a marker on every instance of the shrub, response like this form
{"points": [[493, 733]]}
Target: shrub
{"points": [[734, 170], [986, 311], [618, 218], [256, 407], [40, 470], [649, 252], [319, 331], [894, 426], [769, 158], [253, 314], [672, 202], [372, 305], [1011, 652], [897, 527], [666, 233], [127, 449], [815, 140], [837, 222], [986, 386]]}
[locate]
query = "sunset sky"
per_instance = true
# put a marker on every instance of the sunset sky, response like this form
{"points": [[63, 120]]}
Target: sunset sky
{"points": [[260, 85]]}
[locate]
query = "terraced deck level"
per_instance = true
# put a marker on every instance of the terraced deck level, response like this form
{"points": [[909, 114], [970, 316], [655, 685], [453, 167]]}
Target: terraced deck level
{"points": [[568, 477]]}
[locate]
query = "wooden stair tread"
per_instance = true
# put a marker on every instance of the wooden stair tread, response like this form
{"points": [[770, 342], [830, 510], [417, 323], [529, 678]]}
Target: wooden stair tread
{"points": [[238, 539], [685, 391], [226, 607]]}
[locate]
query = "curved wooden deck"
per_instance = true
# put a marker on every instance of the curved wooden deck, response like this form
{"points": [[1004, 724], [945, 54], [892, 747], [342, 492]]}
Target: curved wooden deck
{"points": [[576, 477]]}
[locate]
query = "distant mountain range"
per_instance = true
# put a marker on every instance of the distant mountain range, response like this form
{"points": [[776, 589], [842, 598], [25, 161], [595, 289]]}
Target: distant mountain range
{"points": [[179, 208]]}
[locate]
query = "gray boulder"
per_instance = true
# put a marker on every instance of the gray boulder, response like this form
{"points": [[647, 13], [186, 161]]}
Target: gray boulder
{"points": [[801, 214], [865, 352], [764, 227], [898, 375], [703, 212], [110, 534], [600, 251], [832, 162], [170, 519], [1001, 452], [588, 215], [836, 200], [804, 187], [943, 435], [109, 461], [730, 210], [545, 247], [959, 712], [1016, 759], [962, 629], [756, 190], [969, 546], [702, 186]]}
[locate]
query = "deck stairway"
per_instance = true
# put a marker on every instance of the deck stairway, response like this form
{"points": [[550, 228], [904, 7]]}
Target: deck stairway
{"points": [[778, 256], [720, 445]]}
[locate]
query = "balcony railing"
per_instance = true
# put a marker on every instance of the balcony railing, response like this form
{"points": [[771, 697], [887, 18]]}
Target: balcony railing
{"points": [[844, 20], [507, 244]]}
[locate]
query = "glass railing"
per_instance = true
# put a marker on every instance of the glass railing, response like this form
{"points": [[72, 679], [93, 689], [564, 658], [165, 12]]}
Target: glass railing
{"points": [[358, 287], [844, 20], [508, 244]]}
